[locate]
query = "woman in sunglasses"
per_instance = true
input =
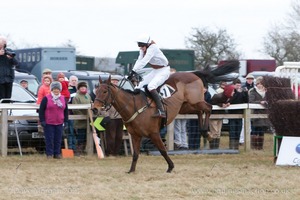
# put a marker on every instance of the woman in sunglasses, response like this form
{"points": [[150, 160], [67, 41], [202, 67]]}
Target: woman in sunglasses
{"points": [[151, 54]]}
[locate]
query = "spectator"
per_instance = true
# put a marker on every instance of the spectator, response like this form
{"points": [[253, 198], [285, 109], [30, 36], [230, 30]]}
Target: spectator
{"points": [[259, 126], [235, 125], [114, 129], [221, 87], [249, 82], [65, 85], [73, 81], [221, 99], [180, 134], [24, 84], [7, 72], [246, 87], [53, 114], [93, 93], [46, 72], [81, 97], [44, 88]]}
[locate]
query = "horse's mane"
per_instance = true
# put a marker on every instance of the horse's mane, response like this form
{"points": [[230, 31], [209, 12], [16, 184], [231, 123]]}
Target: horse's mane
{"points": [[217, 74]]}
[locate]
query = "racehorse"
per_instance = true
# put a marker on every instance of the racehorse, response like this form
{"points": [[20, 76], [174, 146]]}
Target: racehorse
{"points": [[136, 109]]}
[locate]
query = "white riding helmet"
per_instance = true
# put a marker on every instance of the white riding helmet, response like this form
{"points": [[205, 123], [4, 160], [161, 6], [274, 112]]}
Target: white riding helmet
{"points": [[144, 40]]}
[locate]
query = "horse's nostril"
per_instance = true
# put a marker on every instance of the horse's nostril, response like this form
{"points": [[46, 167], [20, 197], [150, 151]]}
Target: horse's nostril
{"points": [[95, 111]]}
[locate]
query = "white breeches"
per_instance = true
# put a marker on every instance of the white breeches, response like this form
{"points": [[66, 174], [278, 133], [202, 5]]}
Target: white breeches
{"points": [[155, 78]]}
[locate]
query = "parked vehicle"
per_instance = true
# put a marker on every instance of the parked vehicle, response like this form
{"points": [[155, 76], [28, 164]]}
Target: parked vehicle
{"points": [[248, 66], [262, 73], [90, 77], [27, 130], [32, 80], [180, 59], [35, 60]]}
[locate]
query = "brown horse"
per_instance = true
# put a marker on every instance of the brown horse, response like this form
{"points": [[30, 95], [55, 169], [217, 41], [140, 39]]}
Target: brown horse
{"points": [[137, 109]]}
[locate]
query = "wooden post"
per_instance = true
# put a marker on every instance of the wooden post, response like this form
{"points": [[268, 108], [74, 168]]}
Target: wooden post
{"points": [[4, 128], [247, 129], [89, 137]]}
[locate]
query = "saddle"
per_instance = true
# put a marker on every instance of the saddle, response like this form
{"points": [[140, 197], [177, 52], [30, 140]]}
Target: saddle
{"points": [[165, 91]]}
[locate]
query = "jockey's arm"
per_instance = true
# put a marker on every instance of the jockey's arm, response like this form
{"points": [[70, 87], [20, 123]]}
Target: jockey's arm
{"points": [[143, 61]]}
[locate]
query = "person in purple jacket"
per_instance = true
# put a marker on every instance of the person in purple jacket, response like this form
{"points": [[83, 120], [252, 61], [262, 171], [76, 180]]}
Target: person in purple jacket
{"points": [[53, 115]]}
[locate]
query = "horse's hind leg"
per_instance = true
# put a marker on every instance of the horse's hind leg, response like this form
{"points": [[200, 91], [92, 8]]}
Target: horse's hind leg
{"points": [[136, 142], [205, 108], [156, 139]]}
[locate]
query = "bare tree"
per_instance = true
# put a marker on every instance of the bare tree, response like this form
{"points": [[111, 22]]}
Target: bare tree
{"points": [[293, 18], [10, 43], [282, 42], [70, 43], [210, 47]]}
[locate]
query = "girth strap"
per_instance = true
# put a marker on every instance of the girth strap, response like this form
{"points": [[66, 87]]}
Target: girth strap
{"points": [[136, 114]]}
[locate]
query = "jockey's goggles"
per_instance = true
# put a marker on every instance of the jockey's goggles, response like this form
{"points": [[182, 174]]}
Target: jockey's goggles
{"points": [[141, 44]]}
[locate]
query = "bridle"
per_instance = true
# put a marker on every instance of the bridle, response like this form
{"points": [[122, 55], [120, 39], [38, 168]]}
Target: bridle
{"points": [[105, 101]]}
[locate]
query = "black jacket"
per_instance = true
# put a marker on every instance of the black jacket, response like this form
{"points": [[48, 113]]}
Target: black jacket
{"points": [[238, 97], [7, 72]]}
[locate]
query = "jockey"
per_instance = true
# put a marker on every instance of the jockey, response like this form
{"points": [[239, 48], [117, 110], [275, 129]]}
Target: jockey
{"points": [[150, 53]]}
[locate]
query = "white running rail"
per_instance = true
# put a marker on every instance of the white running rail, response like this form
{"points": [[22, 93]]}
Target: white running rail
{"points": [[290, 70]]}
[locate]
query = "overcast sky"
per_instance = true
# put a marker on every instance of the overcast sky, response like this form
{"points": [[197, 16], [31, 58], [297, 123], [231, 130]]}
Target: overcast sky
{"points": [[105, 27]]}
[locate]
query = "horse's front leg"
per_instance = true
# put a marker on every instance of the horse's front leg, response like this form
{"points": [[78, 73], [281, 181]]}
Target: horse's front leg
{"points": [[136, 142], [157, 141]]}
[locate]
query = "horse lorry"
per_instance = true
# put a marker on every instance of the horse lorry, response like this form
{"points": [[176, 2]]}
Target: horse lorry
{"points": [[35, 60], [254, 65]]}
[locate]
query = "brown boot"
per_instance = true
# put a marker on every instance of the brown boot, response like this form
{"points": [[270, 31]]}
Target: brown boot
{"points": [[160, 109]]}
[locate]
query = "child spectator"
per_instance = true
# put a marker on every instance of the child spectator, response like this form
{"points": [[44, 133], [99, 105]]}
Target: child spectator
{"points": [[44, 88], [65, 85]]}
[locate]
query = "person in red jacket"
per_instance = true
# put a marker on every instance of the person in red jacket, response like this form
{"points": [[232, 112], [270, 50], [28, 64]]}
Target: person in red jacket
{"points": [[44, 89], [65, 85]]}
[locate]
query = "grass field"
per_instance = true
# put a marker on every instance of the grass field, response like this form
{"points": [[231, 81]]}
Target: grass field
{"points": [[248, 175]]}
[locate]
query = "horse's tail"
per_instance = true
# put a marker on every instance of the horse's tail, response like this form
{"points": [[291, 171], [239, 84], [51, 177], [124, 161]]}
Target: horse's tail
{"points": [[220, 73]]}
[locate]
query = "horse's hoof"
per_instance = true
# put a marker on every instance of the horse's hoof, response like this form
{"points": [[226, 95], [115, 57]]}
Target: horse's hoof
{"points": [[169, 170]]}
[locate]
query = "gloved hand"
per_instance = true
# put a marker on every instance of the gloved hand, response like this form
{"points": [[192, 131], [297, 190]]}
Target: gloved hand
{"points": [[131, 75], [43, 124]]}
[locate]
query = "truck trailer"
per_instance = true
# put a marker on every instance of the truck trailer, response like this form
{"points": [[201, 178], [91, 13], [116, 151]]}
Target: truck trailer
{"points": [[35, 60]]}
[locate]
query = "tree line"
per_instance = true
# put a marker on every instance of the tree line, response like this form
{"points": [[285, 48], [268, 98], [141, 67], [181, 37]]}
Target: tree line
{"points": [[281, 42]]}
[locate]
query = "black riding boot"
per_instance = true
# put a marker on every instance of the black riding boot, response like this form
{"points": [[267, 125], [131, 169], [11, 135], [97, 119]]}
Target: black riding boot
{"points": [[160, 109]]}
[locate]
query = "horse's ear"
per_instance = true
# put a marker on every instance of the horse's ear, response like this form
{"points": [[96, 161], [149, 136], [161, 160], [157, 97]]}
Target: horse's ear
{"points": [[100, 79], [109, 79]]}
